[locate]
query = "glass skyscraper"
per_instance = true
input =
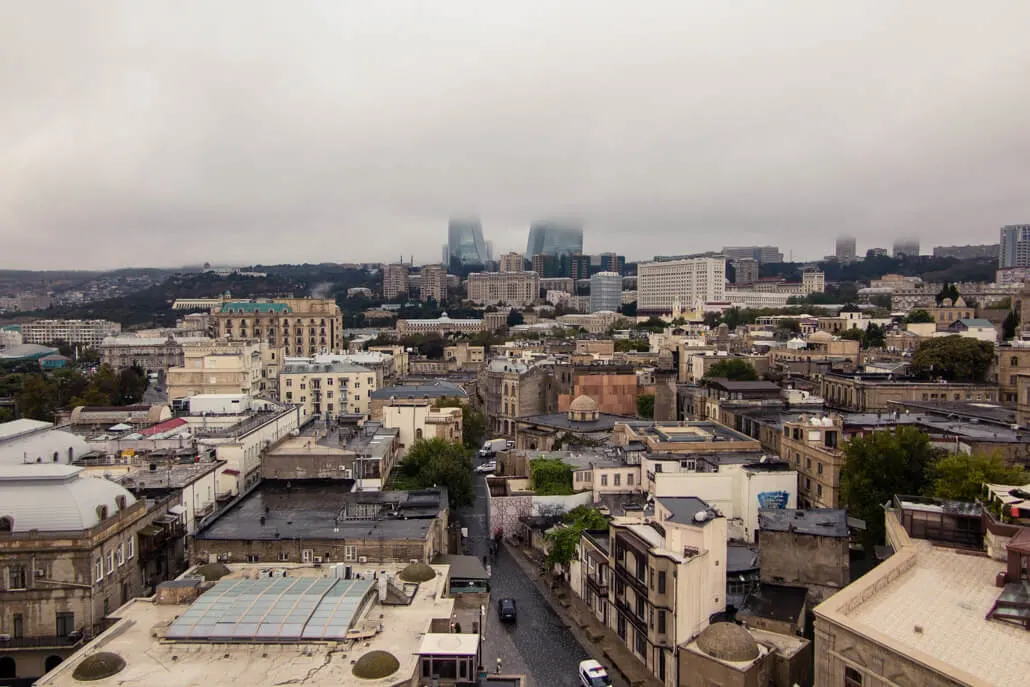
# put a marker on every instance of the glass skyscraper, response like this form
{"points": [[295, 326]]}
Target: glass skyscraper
{"points": [[554, 238], [465, 244]]}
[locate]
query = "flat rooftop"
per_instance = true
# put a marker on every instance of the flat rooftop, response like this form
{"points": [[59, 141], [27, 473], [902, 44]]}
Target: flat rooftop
{"points": [[139, 637], [686, 432], [822, 522], [168, 475], [931, 604], [313, 509]]}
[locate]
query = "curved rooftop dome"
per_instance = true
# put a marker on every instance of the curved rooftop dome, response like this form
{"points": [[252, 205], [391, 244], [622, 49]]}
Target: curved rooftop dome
{"points": [[583, 404], [728, 642], [56, 498]]}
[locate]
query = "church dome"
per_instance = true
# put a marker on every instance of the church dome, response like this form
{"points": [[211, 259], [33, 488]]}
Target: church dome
{"points": [[583, 409], [55, 498], [728, 642]]}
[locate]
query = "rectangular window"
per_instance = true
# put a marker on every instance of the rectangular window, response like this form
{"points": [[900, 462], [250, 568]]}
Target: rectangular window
{"points": [[253, 558], [641, 644], [109, 567], [661, 622], [604, 480], [629, 479], [282, 556], [329, 394], [65, 623], [661, 582], [852, 678], [289, 395], [618, 479], [131, 546], [119, 555], [289, 383], [350, 552], [16, 577], [98, 570]]}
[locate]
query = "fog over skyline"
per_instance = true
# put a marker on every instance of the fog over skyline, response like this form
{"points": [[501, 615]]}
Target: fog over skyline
{"points": [[168, 133]]}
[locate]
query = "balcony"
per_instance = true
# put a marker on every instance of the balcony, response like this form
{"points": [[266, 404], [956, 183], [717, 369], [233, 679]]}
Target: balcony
{"points": [[597, 584], [623, 574], [69, 641]]}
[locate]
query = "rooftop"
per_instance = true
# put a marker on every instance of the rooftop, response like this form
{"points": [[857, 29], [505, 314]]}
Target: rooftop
{"points": [[822, 522], [604, 422], [429, 389], [685, 510], [138, 636], [931, 604], [335, 367], [311, 509], [168, 475]]}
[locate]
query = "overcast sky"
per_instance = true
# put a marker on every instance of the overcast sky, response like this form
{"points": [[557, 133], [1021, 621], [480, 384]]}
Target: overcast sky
{"points": [[164, 133]]}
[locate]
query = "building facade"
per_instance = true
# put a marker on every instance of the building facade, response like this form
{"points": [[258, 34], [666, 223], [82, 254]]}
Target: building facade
{"points": [[465, 243], [395, 281], [301, 326], [745, 271], [813, 447], [152, 354], [327, 389], [224, 367], [605, 292], [554, 238], [510, 288], [845, 251], [663, 286], [434, 284], [513, 262], [906, 248], [88, 333], [1014, 248], [813, 281], [441, 325]]}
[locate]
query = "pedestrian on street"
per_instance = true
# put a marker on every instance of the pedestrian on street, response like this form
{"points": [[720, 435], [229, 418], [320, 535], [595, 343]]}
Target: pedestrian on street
{"points": [[498, 665]]}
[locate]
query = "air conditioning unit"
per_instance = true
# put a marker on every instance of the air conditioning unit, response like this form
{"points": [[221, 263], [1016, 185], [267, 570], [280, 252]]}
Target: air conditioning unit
{"points": [[347, 473], [41, 573], [362, 559], [318, 559]]}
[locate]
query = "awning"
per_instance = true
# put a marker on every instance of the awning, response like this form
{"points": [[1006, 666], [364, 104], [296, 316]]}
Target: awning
{"points": [[177, 510], [230, 471]]}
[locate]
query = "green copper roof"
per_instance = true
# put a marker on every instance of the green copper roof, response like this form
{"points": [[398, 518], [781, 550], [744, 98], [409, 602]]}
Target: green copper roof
{"points": [[251, 307]]}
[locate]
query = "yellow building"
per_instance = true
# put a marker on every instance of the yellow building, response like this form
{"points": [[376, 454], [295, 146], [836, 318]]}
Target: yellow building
{"points": [[302, 326], [327, 389], [224, 367], [416, 419]]}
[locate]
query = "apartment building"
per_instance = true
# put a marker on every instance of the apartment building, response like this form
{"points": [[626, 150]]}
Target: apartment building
{"points": [[395, 281], [605, 292], [87, 333], [513, 262], [224, 367], [301, 326], [511, 288], [668, 576], [434, 284], [1012, 361], [327, 389], [663, 286], [417, 419], [873, 392], [150, 353], [442, 325], [813, 281], [510, 389], [812, 446], [745, 270], [755, 300]]}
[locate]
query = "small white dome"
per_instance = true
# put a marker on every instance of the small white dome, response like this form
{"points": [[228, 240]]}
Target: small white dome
{"points": [[54, 498]]}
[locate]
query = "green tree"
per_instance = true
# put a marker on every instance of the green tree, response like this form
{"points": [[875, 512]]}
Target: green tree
{"points": [[629, 345], [515, 318], [551, 477], [652, 324], [473, 424], [875, 337], [438, 463], [1010, 325], [852, 334], [130, 384], [734, 370], [37, 399], [562, 541], [954, 358], [880, 465], [961, 477], [645, 406], [918, 317]]}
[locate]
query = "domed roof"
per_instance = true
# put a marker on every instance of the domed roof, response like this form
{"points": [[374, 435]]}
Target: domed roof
{"points": [[417, 572], [54, 498], [820, 336], [583, 404], [728, 642]]}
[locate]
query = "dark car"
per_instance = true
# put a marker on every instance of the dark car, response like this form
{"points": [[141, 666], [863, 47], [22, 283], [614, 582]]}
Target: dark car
{"points": [[506, 610]]}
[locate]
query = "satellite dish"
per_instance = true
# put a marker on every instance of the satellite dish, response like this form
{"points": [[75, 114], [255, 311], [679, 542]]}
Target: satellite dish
{"points": [[700, 516]]}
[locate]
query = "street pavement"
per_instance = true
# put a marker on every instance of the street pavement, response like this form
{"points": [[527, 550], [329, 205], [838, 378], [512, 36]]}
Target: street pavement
{"points": [[538, 645]]}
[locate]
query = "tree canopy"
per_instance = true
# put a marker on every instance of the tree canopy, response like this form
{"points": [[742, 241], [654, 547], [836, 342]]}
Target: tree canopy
{"points": [[515, 318], [734, 370], [954, 358], [436, 462], [918, 317], [40, 396], [960, 476], [551, 477], [880, 465], [562, 541], [645, 406]]}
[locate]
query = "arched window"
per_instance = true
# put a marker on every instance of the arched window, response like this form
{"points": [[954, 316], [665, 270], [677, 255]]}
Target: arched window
{"points": [[102, 512], [8, 667], [1014, 361], [418, 433], [57, 456], [71, 454], [51, 663], [6, 524]]}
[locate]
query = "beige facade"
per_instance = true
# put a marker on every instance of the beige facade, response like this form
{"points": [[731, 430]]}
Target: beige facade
{"points": [[418, 419], [665, 286], [511, 390], [88, 333], [434, 284], [464, 355], [242, 442], [301, 326], [870, 393], [513, 262], [395, 281], [327, 389], [947, 312], [224, 367], [442, 325], [813, 281], [152, 354], [1012, 361], [510, 288], [813, 447]]}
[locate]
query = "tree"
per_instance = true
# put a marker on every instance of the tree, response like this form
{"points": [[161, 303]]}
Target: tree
{"points": [[645, 406], [551, 477], [562, 541], [918, 317], [1010, 325], [629, 345], [515, 318], [652, 324], [961, 477], [37, 399], [880, 465], [949, 291], [734, 370], [954, 358], [875, 337], [473, 424], [438, 463]]}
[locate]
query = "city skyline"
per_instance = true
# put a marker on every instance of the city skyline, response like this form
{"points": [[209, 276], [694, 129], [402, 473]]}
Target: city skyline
{"points": [[165, 135]]}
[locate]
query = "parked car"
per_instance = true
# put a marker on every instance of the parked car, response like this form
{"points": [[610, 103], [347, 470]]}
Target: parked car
{"points": [[487, 467], [506, 610], [593, 674]]}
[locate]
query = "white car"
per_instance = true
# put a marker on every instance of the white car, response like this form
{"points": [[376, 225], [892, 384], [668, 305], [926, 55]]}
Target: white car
{"points": [[593, 674], [487, 467]]}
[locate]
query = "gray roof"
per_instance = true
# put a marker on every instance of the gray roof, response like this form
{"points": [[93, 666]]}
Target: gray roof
{"points": [[463, 567], [603, 423], [683, 509], [820, 522], [434, 389], [56, 498], [29, 441], [335, 367]]}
